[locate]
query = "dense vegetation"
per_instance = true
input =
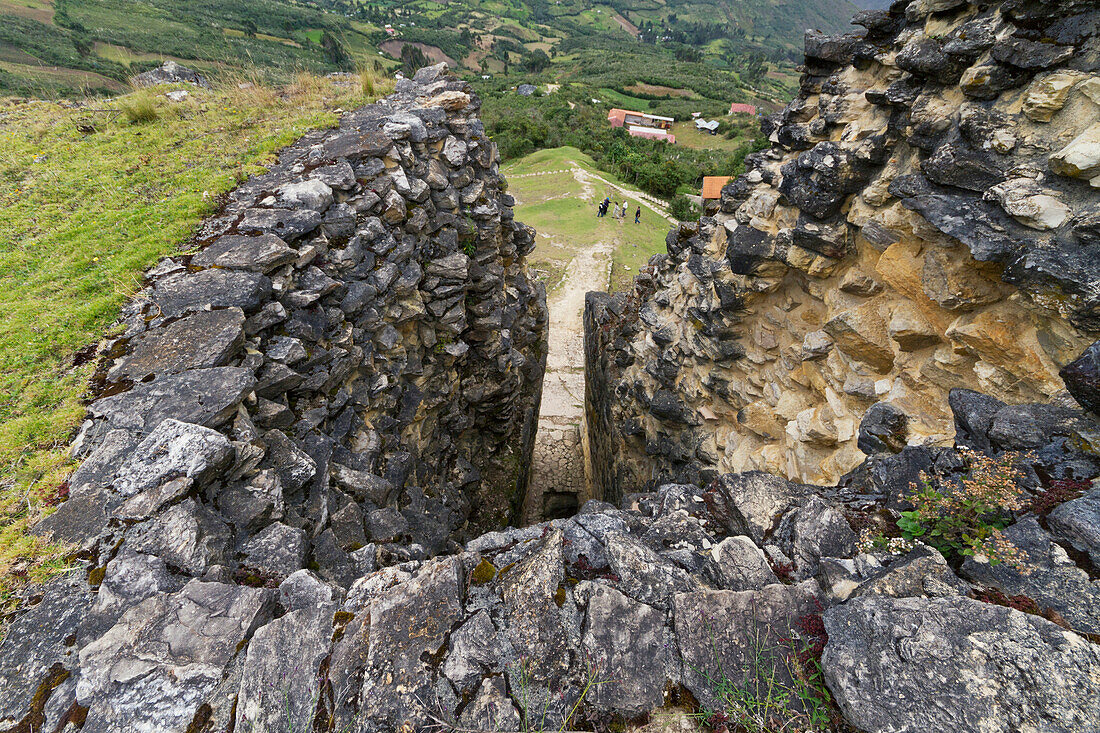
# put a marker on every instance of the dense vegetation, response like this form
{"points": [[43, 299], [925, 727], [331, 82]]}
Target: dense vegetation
{"points": [[521, 125], [96, 45]]}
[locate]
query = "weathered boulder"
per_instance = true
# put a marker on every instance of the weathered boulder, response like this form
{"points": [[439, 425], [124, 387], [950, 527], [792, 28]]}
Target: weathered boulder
{"points": [[188, 536], [736, 563], [922, 572], [409, 624], [262, 254], [279, 683], [1078, 523], [630, 643], [206, 397], [277, 551], [170, 72], [945, 664], [738, 634], [1082, 378], [1043, 573], [205, 339], [39, 654], [883, 429], [174, 449], [756, 500], [179, 294], [166, 654]]}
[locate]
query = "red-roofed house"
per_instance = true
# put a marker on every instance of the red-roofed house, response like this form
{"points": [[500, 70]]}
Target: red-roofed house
{"points": [[639, 124], [737, 108], [624, 117], [712, 186]]}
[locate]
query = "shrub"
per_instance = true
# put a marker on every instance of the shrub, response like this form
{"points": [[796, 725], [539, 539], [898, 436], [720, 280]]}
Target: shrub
{"points": [[139, 109], [682, 209], [966, 519]]}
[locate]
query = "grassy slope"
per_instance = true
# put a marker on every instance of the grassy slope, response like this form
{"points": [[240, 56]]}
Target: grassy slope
{"points": [[81, 46], [565, 222], [81, 217]]}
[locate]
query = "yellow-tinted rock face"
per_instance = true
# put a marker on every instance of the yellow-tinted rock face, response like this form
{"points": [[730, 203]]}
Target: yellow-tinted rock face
{"points": [[921, 223]]}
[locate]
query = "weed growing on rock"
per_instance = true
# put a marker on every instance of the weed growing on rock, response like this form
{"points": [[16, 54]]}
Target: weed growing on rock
{"points": [[997, 598], [781, 689], [1058, 492], [872, 541], [966, 519], [533, 719]]}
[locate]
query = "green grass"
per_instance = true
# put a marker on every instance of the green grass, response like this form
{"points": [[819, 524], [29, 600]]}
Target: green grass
{"points": [[566, 222], [81, 217]]}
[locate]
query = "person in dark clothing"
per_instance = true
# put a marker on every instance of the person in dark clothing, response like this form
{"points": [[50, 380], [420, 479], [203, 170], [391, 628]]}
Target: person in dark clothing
{"points": [[603, 209], [638, 215]]}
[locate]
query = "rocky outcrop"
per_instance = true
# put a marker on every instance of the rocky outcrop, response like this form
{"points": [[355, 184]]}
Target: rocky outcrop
{"points": [[170, 72], [689, 593], [924, 220], [344, 374]]}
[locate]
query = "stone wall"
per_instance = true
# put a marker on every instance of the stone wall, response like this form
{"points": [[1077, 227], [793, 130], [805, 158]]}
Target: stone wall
{"points": [[925, 219], [282, 457], [349, 363]]}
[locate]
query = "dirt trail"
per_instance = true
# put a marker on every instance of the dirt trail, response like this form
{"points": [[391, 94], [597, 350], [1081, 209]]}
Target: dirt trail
{"points": [[557, 481]]}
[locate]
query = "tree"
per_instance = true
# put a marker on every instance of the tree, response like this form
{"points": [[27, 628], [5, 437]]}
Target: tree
{"points": [[412, 58], [334, 52], [537, 61]]}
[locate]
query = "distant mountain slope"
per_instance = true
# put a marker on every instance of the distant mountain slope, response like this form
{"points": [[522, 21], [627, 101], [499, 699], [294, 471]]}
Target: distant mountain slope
{"points": [[66, 47], [764, 23], [72, 46]]}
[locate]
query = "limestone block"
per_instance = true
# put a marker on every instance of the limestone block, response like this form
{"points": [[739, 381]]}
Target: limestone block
{"points": [[1048, 94], [1028, 203], [861, 334], [955, 283], [1002, 337], [1081, 158], [910, 329]]}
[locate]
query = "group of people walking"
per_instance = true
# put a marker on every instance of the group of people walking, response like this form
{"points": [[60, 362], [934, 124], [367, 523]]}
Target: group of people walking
{"points": [[619, 212]]}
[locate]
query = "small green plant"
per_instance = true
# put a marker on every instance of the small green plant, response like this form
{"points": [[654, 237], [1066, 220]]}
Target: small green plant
{"points": [[781, 689], [374, 82], [537, 723], [139, 109], [967, 519]]}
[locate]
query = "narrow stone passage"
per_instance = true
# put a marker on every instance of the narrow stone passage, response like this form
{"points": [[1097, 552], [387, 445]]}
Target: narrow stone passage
{"points": [[558, 485]]}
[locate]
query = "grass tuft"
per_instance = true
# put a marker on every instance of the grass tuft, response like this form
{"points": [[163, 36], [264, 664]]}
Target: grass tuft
{"points": [[139, 108], [373, 83]]}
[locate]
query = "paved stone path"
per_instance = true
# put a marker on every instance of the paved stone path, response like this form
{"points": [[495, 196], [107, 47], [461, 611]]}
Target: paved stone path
{"points": [[558, 484]]}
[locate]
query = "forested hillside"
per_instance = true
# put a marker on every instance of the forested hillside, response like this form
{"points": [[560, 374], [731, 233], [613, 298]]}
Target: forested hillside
{"points": [[56, 48]]}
